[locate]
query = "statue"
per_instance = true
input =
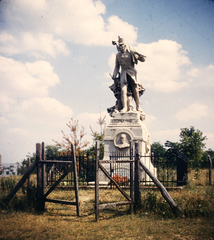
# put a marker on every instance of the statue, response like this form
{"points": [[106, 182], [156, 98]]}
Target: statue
{"points": [[127, 125], [125, 85]]}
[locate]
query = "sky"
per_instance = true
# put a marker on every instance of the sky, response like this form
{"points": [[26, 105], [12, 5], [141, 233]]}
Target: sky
{"points": [[56, 56]]}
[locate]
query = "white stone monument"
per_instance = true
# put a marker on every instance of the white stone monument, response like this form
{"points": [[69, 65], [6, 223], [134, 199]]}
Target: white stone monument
{"points": [[127, 124], [123, 128]]}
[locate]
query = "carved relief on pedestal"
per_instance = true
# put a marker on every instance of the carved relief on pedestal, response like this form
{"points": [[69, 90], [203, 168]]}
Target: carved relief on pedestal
{"points": [[122, 140]]}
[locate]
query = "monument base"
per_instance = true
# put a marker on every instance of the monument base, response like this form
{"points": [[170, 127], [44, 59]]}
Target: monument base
{"points": [[124, 128]]}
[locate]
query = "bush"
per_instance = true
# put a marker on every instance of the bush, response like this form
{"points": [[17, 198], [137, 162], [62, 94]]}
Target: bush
{"points": [[196, 199], [154, 203], [24, 199], [7, 184]]}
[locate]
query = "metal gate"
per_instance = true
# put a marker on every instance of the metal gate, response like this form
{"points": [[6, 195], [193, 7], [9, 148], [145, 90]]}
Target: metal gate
{"points": [[113, 161], [171, 169], [182, 164]]}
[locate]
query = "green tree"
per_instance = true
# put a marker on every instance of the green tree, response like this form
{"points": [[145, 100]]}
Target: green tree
{"points": [[23, 166], [174, 146], [158, 149], [52, 150], [192, 145]]}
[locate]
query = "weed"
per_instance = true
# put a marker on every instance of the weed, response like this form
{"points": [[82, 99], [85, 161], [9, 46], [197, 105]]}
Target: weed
{"points": [[195, 200], [7, 184], [24, 199]]}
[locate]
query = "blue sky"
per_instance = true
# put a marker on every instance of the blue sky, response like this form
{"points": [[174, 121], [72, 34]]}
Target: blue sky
{"points": [[56, 56]]}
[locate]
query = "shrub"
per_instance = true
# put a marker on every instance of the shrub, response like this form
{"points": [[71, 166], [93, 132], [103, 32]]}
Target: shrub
{"points": [[195, 201], [24, 199]]}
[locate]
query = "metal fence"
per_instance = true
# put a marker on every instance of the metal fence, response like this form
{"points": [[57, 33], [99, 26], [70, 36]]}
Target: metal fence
{"points": [[85, 169], [171, 171]]}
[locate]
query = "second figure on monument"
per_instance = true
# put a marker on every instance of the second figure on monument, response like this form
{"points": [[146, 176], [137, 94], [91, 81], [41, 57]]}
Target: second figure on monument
{"points": [[126, 85]]}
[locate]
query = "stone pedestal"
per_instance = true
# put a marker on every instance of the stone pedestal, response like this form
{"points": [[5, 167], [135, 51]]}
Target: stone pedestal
{"points": [[123, 128]]}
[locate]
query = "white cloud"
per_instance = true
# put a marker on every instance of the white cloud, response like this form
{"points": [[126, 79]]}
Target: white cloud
{"points": [[194, 111], [34, 120], [34, 44], [37, 119], [46, 110], [21, 81], [6, 102], [164, 135], [25, 108], [3, 120], [116, 27], [163, 68], [19, 131], [150, 120], [202, 76], [193, 72], [91, 119], [87, 119], [79, 22]]}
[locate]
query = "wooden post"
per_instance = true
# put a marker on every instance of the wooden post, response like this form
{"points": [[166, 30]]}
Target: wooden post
{"points": [[210, 170], [97, 182], [137, 194], [21, 182], [87, 169], [131, 179], [43, 170], [28, 179], [162, 189], [76, 181], [40, 176]]}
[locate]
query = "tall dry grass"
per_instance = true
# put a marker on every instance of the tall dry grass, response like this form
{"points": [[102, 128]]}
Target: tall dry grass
{"points": [[153, 221]]}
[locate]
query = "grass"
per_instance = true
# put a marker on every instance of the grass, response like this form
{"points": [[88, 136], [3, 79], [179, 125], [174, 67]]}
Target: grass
{"points": [[153, 220], [67, 226]]}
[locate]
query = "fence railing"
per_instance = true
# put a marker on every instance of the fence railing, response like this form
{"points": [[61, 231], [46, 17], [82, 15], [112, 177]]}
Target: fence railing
{"points": [[170, 171], [85, 169]]}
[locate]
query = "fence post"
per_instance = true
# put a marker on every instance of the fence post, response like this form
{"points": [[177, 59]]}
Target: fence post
{"points": [[97, 182], [40, 179], [80, 162], [131, 178], [87, 168], [43, 170], [28, 179], [181, 170], [76, 186], [210, 170], [137, 194]]}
